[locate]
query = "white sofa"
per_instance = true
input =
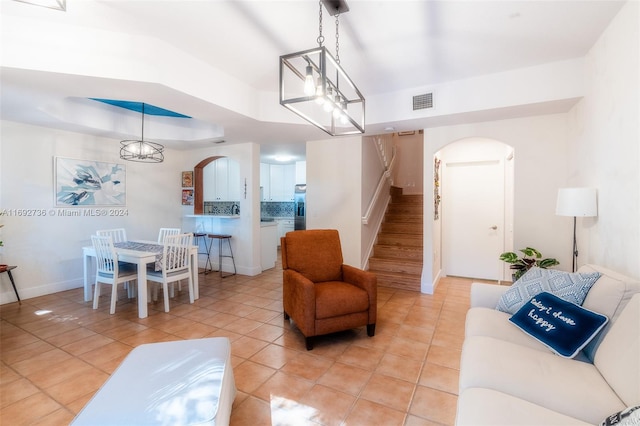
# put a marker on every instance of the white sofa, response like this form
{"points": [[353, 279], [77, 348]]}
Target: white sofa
{"points": [[509, 378]]}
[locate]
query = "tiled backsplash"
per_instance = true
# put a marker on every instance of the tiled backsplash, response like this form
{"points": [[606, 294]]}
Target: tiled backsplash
{"points": [[276, 209], [221, 208]]}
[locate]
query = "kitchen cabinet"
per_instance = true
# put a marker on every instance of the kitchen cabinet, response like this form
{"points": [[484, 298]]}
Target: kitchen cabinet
{"points": [[268, 245], [264, 182], [221, 180], [301, 172], [280, 183]]}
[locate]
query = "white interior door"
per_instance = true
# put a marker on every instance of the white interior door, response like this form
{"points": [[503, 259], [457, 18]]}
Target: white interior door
{"points": [[473, 218]]}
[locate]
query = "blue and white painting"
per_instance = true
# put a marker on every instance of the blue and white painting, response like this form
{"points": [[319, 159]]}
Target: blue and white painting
{"points": [[89, 183]]}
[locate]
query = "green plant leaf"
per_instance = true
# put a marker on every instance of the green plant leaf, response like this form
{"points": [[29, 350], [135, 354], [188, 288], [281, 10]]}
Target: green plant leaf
{"points": [[531, 252], [547, 263], [509, 257]]}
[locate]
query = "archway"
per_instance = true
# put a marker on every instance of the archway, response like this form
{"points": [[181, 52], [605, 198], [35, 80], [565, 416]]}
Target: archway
{"points": [[477, 207], [198, 184]]}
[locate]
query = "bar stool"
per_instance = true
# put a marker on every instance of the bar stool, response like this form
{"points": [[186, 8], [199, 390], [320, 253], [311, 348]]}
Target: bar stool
{"points": [[221, 238], [200, 236]]}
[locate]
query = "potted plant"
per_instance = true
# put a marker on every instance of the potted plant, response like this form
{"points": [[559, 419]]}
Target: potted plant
{"points": [[531, 257]]}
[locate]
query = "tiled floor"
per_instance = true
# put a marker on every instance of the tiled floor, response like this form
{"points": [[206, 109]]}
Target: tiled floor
{"points": [[56, 351]]}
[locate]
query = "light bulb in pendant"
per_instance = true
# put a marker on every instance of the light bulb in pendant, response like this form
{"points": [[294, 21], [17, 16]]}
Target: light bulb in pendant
{"points": [[328, 104], [309, 85], [319, 92]]}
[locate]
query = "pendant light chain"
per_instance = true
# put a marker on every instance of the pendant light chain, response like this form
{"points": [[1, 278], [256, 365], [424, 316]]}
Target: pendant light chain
{"points": [[320, 38], [337, 38], [142, 135]]}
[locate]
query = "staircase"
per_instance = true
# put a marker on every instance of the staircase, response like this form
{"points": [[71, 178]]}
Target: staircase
{"points": [[397, 255]]}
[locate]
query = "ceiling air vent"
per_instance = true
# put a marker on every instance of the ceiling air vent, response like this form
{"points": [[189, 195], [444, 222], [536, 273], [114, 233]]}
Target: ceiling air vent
{"points": [[423, 101]]}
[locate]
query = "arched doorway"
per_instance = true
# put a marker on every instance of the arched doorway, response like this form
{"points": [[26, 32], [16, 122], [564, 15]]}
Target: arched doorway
{"points": [[198, 184], [476, 207]]}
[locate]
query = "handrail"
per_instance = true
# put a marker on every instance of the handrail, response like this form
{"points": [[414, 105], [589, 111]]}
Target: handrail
{"points": [[385, 176]]}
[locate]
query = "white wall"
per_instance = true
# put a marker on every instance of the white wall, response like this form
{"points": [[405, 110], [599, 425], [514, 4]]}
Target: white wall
{"points": [[48, 249], [596, 144], [409, 154], [540, 158], [604, 146], [333, 191]]}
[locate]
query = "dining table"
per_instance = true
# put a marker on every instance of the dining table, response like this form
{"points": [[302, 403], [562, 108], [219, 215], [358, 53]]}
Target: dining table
{"points": [[141, 253]]}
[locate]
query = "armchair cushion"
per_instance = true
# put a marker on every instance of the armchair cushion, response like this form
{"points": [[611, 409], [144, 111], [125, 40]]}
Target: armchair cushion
{"points": [[335, 298]]}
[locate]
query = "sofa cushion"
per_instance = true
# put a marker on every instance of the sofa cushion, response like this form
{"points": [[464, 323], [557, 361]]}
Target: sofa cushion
{"points": [[572, 287], [493, 323], [562, 326], [618, 357], [572, 388], [608, 296], [479, 406]]}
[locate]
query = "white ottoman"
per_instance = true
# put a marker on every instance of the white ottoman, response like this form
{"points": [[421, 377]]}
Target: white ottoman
{"points": [[184, 382]]}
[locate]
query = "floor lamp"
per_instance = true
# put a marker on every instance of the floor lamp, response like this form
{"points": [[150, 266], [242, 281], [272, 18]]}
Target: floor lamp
{"points": [[576, 202]]}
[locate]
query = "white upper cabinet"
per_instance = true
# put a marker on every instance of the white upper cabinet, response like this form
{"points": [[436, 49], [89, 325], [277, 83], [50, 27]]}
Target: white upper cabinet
{"points": [[221, 180], [278, 181]]}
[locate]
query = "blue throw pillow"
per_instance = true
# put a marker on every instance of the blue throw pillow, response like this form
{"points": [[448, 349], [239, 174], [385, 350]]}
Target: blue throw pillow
{"points": [[572, 287], [562, 326]]}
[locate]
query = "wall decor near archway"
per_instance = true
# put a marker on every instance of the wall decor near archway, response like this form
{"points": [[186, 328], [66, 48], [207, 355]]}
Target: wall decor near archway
{"points": [[436, 188]]}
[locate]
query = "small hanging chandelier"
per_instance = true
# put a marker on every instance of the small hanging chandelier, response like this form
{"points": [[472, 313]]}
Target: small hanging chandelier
{"points": [[140, 150], [314, 85]]}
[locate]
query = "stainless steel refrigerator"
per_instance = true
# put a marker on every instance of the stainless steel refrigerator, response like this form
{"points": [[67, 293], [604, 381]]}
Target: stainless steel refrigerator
{"points": [[300, 199]]}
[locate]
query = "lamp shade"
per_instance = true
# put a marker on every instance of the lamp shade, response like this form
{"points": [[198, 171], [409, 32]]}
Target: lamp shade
{"points": [[581, 202]]}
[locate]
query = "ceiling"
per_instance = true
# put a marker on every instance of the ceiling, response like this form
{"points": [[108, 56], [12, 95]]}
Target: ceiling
{"points": [[385, 47]]}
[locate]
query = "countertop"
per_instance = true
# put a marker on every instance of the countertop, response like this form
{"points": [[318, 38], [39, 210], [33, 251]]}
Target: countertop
{"points": [[215, 216]]}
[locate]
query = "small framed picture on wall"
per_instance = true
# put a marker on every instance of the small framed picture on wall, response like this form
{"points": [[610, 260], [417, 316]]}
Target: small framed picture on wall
{"points": [[187, 197], [187, 179]]}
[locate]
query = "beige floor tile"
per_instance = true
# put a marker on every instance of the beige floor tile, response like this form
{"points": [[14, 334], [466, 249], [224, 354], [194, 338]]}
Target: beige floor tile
{"points": [[252, 411], [400, 367], [388, 391], [447, 357], [274, 356], [439, 377], [281, 385], [326, 406], [434, 405], [29, 410], [345, 378], [78, 386], [367, 413], [249, 376], [367, 358], [307, 366], [15, 391]]}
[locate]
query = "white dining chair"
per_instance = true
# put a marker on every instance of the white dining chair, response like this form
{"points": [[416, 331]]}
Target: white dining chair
{"points": [[176, 265], [167, 231], [109, 270], [117, 235]]}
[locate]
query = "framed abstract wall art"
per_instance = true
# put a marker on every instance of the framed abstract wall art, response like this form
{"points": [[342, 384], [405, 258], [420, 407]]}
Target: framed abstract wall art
{"points": [[88, 183]]}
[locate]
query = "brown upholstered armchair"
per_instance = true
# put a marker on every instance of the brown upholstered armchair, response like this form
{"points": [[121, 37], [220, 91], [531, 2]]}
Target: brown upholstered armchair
{"points": [[320, 293]]}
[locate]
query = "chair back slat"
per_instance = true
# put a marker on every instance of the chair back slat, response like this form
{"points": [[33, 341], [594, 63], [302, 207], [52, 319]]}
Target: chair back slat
{"points": [[105, 254], [117, 235], [164, 232], [176, 252]]}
